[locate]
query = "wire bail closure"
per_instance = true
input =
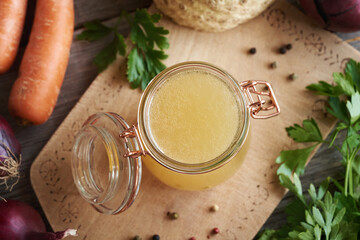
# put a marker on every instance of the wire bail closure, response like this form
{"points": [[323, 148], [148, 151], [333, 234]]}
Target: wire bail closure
{"points": [[132, 132], [257, 105]]}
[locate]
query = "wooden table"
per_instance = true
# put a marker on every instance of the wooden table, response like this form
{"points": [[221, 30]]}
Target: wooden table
{"points": [[80, 73]]}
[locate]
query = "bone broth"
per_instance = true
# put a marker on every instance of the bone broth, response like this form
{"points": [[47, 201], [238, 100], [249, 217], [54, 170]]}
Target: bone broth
{"points": [[194, 117], [192, 133]]}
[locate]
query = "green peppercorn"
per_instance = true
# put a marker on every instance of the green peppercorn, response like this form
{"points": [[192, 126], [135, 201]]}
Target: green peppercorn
{"points": [[174, 215], [273, 65], [137, 237], [293, 76]]}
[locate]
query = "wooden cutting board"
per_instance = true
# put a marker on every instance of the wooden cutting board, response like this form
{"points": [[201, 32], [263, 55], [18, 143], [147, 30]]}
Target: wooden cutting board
{"points": [[248, 198]]}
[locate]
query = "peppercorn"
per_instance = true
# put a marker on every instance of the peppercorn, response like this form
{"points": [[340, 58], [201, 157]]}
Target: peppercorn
{"points": [[214, 208], [137, 237], [173, 215], [155, 237], [192, 238], [216, 230], [282, 50], [288, 46], [273, 65], [292, 76], [252, 50]]}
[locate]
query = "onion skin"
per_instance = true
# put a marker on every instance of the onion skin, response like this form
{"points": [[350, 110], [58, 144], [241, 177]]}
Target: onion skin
{"points": [[334, 15], [51, 235], [7, 137], [19, 221], [10, 157], [14, 226]]}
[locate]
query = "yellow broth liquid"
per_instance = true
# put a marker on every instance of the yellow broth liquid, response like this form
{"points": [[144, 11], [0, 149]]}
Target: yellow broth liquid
{"points": [[194, 117]]}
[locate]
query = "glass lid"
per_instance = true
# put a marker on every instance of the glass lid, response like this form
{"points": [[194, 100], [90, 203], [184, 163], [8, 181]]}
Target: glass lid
{"points": [[106, 172]]}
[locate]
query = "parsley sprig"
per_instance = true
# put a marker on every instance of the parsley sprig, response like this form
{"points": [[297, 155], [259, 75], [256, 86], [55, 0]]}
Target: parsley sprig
{"points": [[325, 214], [149, 43]]}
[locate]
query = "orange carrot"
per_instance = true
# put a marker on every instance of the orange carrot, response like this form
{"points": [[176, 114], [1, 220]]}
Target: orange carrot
{"points": [[12, 17], [42, 70]]}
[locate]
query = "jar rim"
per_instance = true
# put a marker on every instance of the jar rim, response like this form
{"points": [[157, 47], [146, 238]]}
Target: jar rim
{"points": [[161, 157], [119, 192]]}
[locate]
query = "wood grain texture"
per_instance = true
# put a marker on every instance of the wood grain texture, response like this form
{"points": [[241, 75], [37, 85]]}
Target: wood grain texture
{"points": [[253, 193], [86, 10]]}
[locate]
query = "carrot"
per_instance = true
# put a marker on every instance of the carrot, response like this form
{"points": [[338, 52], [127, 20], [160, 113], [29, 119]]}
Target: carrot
{"points": [[42, 70], [12, 17]]}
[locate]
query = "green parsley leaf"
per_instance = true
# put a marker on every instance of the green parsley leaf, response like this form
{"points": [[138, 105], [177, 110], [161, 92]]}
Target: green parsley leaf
{"points": [[108, 55], [354, 107], [312, 192], [294, 234], [309, 132], [293, 161], [323, 188], [318, 217], [340, 126], [353, 69], [94, 31], [323, 215], [309, 219], [154, 35], [295, 211], [345, 83], [136, 68], [325, 89], [306, 235], [347, 231], [317, 232], [352, 141], [144, 61], [293, 187], [338, 217], [348, 203], [146, 37], [138, 37], [338, 109], [267, 235]]}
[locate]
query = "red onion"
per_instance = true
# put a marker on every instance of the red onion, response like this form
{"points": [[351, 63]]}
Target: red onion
{"points": [[19, 221], [10, 156], [334, 15]]}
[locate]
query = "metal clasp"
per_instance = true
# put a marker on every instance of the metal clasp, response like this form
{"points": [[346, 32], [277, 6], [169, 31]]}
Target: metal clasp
{"points": [[257, 105], [132, 132]]}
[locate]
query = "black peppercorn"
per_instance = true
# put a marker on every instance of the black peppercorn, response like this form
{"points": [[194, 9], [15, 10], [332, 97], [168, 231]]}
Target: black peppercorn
{"points": [[156, 237], [288, 46], [282, 50], [252, 50]]}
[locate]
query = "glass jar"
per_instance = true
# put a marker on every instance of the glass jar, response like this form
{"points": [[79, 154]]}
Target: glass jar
{"points": [[192, 133]]}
